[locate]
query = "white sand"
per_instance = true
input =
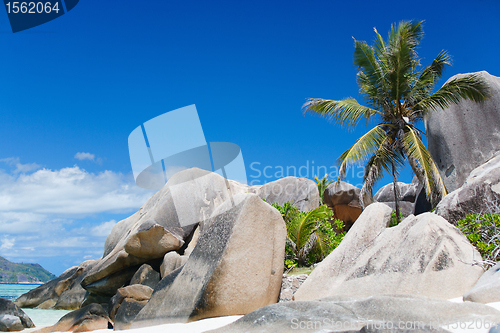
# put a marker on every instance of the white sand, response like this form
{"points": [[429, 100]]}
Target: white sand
{"points": [[194, 327]]}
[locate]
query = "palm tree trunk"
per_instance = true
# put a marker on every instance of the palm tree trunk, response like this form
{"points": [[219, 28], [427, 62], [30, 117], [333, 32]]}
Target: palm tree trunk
{"points": [[396, 193], [419, 172], [365, 197]]}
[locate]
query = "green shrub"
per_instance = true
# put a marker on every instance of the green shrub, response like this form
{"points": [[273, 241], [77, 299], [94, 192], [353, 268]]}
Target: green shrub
{"points": [[310, 235], [483, 232], [394, 221]]}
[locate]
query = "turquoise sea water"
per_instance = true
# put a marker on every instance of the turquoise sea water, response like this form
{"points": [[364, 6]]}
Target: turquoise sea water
{"points": [[12, 291]]}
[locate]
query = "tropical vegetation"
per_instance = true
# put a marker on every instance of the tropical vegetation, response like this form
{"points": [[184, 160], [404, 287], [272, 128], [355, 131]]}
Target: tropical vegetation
{"points": [[398, 93], [322, 185], [310, 235], [19, 272], [483, 231]]}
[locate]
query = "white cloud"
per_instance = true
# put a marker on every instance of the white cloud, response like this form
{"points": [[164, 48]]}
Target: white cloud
{"points": [[103, 229], [60, 213], [7, 243], [85, 156], [20, 168], [70, 191]]}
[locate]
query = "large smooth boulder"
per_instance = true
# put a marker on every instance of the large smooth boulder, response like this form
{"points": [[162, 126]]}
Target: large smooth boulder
{"points": [[423, 255], [89, 318], [301, 192], [343, 199], [406, 208], [408, 196], [64, 292], [162, 224], [383, 313], [479, 194], [235, 268], [487, 288], [407, 192], [464, 136], [12, 318]]}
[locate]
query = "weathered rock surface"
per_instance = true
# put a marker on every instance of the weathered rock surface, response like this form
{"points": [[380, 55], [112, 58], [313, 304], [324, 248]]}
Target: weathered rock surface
{"points": [[147, 276], [479, 194], [162, 224], [414, 257], [406, 208], [129, 308], [302, 192], [64, 292], [422, 203], [90, 318], [127, 303], [487, 288], [235, 268], [169, 263], [12, 318], [289, 286], [464, 136], [91, 298], [382, 313], [108, 285], [407, 192], [343, 200]]}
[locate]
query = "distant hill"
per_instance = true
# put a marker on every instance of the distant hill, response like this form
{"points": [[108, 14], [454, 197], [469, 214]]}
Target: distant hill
{"points": [[16, 273]]}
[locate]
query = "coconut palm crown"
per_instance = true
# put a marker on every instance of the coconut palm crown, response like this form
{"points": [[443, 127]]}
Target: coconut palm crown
{"points": [[398, 95]]}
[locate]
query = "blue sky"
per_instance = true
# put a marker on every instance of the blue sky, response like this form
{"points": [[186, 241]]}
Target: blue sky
{"points": [[83, 82]]}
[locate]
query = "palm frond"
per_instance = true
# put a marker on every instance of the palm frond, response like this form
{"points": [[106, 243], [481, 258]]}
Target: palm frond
{"points": [[346, 112], [415, 148], [472, 87], [428, 78], [300, 229], [378, 45], [401, 58], [379, 162], [321, 243], [364, 147]]}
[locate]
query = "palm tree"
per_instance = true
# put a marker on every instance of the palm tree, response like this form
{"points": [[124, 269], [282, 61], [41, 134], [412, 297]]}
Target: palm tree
{"points": [[304, 232], [398, 95], [322, 185]]}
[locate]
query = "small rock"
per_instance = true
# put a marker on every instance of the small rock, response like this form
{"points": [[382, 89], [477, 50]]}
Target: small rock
{"points": [[136, 292], [9, 309], [343, 200], [147, 276], [169, 264], [10, 323]]}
